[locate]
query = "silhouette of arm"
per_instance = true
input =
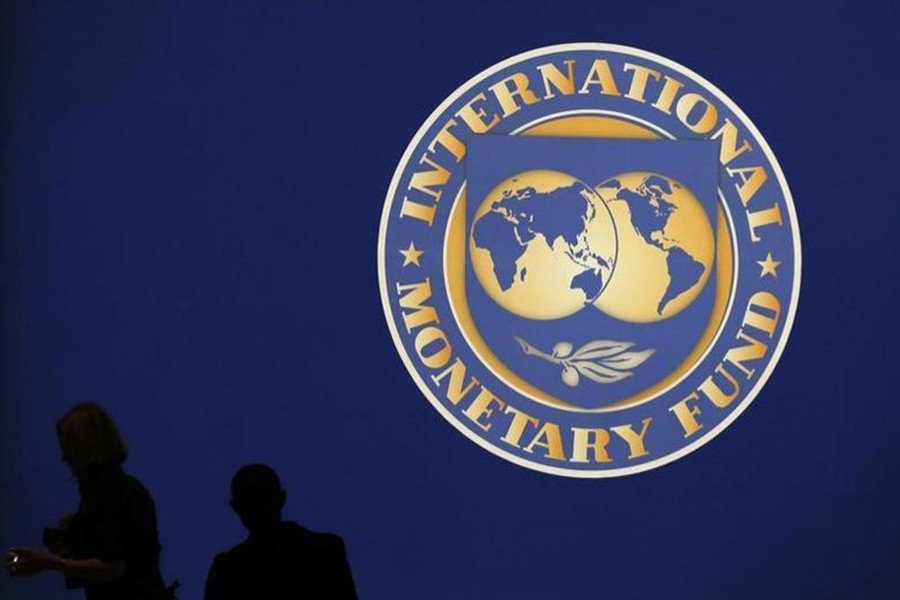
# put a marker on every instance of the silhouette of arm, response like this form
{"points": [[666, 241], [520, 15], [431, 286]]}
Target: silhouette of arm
{"points": [[30, 561], [344, 586], [216, 585], [93, 569]]}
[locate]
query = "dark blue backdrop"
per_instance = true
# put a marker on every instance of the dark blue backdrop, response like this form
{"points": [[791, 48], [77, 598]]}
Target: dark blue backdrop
{"points": [[190, 203]]}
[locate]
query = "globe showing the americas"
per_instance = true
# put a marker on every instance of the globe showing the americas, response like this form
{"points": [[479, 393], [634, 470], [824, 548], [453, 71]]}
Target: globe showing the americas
{"points": [[543, 245], [666, 247]]}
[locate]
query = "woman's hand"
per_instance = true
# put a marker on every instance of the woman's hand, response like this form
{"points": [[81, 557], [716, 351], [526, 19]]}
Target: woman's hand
{"points": [[29, 561]]}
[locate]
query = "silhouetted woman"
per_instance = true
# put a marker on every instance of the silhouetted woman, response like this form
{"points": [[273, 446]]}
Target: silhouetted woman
{"points": [[110, 547]]}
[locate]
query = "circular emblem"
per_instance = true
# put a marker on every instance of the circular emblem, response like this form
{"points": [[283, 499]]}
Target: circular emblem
{"points": [[589, 260]]}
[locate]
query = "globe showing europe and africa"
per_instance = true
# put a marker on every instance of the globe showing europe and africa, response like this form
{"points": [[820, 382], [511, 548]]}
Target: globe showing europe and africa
{"points": [[638, 246], [543, 244]]}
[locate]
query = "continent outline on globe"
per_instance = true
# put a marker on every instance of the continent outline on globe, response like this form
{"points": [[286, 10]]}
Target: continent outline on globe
{"points": [[525, 233], [519, 217], [520, 233], [651, 206]]}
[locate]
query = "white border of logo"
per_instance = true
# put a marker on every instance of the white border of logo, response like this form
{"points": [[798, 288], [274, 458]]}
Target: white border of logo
{"points": [[789, 203]]}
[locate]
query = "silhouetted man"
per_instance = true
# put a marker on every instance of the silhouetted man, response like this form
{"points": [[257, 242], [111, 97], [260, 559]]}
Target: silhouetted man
{"points": [[279, 559]]}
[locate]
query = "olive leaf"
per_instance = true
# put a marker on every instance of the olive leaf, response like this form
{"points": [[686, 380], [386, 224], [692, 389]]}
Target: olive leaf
{"points": [[627, 360], [599, 373], [600, 361], [601, 349]]}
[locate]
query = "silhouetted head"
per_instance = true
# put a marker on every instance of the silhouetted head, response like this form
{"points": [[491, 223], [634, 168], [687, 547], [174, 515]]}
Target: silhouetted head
{"points": [[257, 497], [89, 438]]}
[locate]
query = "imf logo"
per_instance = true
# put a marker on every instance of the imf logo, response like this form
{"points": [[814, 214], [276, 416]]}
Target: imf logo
{"points": [[589, 260]]}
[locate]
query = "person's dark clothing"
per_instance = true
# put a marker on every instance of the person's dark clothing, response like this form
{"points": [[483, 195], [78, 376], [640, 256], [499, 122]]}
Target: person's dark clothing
{"points": [[116, 521], [288, 562]]}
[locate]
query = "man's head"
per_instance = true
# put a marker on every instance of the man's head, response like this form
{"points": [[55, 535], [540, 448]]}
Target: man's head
{"points": [[257, 497]]}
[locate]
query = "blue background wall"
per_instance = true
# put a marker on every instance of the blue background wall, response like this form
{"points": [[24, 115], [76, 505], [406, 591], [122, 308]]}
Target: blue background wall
{"points": [[190, 201]]}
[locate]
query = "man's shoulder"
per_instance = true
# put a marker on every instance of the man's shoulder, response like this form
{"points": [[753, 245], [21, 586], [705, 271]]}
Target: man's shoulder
{"points": [[292, 556], [228, 559], [331, 544], [223, 559], [290, 534], [236, 553], [315, 539]]}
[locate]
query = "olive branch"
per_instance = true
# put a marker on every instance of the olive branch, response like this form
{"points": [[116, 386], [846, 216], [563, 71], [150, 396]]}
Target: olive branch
{"points": [[601, 361]]}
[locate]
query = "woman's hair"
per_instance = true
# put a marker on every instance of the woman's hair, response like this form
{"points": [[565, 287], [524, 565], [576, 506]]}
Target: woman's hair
{"points": [[89, 438]]}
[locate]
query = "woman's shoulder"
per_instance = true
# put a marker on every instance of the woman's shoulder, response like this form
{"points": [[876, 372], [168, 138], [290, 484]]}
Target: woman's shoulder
{"points": [[113, 485]]}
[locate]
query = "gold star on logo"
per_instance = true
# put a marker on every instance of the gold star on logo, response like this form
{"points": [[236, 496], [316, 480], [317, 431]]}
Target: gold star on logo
{"points": [[768, 266], [411, 255]]}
